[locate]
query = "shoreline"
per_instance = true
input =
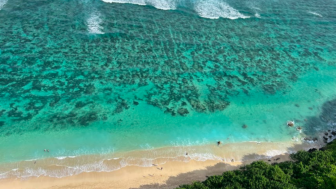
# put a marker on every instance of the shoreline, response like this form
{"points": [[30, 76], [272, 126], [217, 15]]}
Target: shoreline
{"points": [[225, 157]]}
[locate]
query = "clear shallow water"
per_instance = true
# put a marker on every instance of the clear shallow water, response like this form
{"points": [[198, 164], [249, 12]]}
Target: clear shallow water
{"points": [[91, 77]]}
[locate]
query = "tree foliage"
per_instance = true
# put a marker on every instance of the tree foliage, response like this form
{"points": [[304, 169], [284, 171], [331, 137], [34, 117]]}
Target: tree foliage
{"points": [[308, 170]]}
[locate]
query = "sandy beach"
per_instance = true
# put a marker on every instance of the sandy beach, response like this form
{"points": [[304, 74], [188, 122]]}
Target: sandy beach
{"points": [[173, 173]]}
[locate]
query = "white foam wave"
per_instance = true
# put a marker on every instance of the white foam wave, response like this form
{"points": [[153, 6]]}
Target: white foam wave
{"points": [[93, 23], [2, 3], [215, 9], [271, 153], [204, 157], [257, 15], [159, 4], [212, 9], [64, 157], [315, 13]]}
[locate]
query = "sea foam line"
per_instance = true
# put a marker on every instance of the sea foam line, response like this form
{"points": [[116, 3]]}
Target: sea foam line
{"points": [[315, 13]]}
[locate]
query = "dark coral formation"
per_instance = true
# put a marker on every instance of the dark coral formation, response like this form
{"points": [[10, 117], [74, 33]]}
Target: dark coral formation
{"points": [[325, 121]]}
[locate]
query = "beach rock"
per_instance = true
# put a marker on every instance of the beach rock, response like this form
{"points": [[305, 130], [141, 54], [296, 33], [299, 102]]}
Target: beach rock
{"points": [[312, 150]]}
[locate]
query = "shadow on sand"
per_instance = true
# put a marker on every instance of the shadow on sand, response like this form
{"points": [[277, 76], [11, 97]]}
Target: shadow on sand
{"points": [[324, 123]]}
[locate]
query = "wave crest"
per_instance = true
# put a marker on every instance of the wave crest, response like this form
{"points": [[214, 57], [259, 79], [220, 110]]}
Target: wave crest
{"points": [[212, 9]]}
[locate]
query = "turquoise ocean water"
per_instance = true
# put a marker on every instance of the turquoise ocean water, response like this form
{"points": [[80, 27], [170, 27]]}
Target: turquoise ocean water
{"points": [[88, 77]]}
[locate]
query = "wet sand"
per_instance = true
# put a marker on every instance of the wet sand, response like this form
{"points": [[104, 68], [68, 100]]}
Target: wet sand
{"points": [[173, 174]]}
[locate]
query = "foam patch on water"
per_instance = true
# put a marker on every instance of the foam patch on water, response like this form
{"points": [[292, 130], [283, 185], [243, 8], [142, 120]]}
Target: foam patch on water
{"points": [[315, 13], [93, 23], [215, 9], [2, 3], [257, 15]]}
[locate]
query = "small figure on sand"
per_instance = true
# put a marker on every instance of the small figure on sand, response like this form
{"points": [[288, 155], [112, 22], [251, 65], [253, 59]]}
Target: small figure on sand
{"points": [[290, 123], [186, 153], [218, 143], [232, 160], [161, 168]]}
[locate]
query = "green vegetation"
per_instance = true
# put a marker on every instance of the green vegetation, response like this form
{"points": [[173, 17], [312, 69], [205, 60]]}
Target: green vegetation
{"points": [[309, 170]]}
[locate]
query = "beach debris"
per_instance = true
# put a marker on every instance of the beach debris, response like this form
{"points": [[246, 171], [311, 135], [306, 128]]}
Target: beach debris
{"points": [[151, 175], [218, 143], [154, 164], [290, 123], [244, 126], [277, 159]]}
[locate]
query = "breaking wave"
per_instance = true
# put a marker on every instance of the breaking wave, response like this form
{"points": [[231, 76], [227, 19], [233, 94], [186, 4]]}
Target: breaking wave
{"points": [[212, 9], [215, 9], [2, 3]]}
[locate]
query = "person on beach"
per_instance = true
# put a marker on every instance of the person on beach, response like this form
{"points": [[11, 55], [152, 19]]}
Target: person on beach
{"points": [[218, 143], [161, 168]]}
